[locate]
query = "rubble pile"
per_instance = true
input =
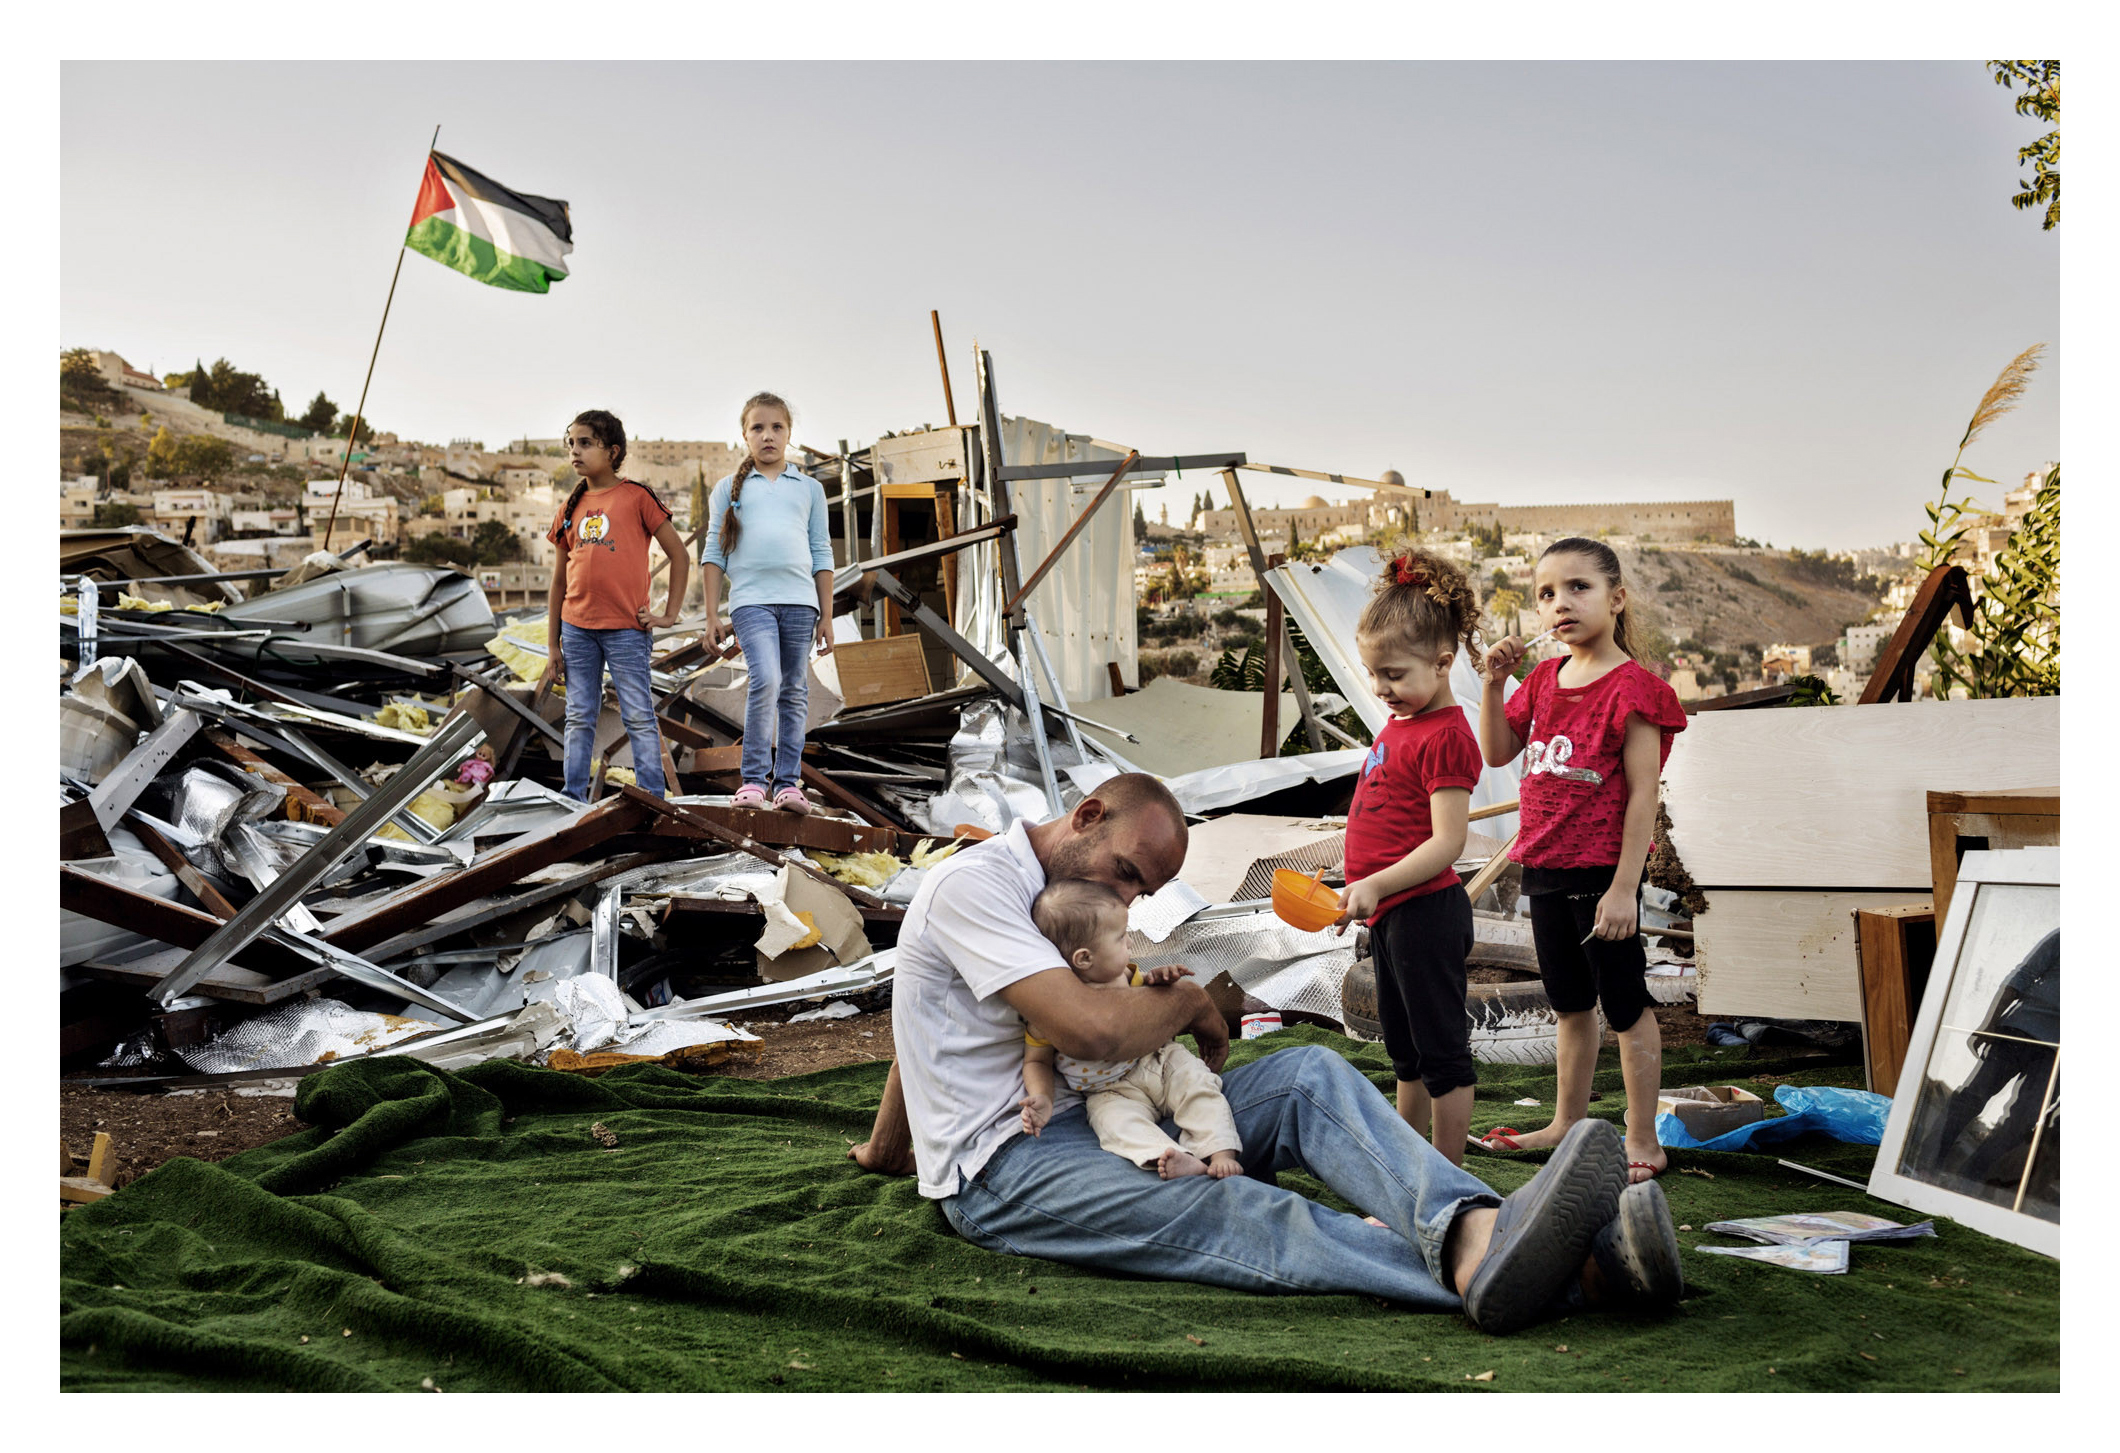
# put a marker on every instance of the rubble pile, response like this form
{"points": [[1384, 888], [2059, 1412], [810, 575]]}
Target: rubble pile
{"points": [[312, 815]]}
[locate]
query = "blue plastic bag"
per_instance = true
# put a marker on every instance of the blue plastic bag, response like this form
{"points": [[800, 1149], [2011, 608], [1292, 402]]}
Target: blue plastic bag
{"points": [[1855, 1116]]}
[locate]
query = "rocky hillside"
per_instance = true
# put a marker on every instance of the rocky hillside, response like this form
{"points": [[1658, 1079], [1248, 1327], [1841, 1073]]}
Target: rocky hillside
{"points": [[1729, 600]]}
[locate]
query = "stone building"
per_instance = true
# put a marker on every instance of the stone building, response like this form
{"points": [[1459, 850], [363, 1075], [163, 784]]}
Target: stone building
{"points": [[1674, 522]]}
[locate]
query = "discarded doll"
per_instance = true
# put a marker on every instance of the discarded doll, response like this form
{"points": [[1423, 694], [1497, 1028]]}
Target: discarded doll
{"points": [[1126, 1099]]}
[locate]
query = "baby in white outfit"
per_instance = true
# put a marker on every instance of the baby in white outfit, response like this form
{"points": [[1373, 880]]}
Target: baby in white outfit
{"points": [[1126, 1100]]}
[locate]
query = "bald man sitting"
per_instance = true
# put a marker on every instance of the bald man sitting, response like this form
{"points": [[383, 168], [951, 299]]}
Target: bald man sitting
{"points": [[973, 972]]}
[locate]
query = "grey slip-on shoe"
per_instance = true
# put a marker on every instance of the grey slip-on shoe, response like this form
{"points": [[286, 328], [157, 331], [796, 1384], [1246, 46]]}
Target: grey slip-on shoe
{"points": [[1543, 1232], [1638, 1250]]}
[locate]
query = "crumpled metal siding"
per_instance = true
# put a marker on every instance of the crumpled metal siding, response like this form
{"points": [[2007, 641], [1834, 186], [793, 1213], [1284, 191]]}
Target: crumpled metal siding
{"points": [[1085, 606]]}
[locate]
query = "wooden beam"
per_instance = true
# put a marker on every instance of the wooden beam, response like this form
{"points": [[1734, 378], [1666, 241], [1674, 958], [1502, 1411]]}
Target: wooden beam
{"points": [[102, 1160], [1270, 712], [1893, 950], [478, 914], [1893, 680], [744, 907], [942, 361], [107, 901], [942, 549], [1492, 869], [689, 736], [1157, 464], [1744, 700], [426, 900], [80, 834], [946, 529], [840, 797], [691, 816], [1348, 479], [177, 863], [792, 830], [303, 803]]}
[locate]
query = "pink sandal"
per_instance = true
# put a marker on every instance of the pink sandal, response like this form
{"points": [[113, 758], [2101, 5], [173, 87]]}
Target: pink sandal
{"points": [[749, 795], [790, 799]]}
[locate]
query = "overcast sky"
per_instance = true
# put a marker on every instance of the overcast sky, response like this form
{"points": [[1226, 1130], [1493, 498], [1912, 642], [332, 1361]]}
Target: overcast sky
{"points": [[1525, 282]]}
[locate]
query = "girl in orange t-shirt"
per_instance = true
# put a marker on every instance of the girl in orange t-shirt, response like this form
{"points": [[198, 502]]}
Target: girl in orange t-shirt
{"points": [[597, 614]]}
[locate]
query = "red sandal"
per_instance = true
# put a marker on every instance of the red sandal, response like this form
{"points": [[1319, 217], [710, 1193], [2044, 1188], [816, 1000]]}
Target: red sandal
{"points": [[1504, 1134]]}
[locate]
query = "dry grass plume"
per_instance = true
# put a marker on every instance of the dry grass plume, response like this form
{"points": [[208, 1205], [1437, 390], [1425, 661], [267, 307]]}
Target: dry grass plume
{"points": [[2003, 393]]}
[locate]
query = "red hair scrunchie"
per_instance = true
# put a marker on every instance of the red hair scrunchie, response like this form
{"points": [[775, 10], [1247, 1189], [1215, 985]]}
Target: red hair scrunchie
{"points": [[1405, 572]]}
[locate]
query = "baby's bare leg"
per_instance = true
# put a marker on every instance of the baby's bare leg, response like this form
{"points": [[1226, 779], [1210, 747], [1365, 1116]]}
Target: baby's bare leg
{"points": [[1192, 1096], [1126, 1124]]}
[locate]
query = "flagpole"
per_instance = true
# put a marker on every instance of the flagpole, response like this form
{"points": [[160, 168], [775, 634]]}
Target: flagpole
{"points": [[354, 430]]}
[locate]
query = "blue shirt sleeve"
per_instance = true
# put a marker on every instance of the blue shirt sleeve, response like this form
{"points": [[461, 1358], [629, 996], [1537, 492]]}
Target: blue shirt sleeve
{"points": [[710, 551], [820, 530]]}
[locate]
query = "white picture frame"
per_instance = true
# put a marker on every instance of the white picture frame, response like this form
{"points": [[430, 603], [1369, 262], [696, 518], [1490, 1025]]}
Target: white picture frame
{"points": [[1961, 1064]]}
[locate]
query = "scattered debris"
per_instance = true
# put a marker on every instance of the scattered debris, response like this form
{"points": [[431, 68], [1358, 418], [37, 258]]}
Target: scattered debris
{"points": [[604, 1135], [97, 1180], [315, 814]]}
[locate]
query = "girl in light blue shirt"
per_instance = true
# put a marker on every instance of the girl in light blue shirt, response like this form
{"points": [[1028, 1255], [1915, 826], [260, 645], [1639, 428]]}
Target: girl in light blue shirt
{"points": [[769, 535]]}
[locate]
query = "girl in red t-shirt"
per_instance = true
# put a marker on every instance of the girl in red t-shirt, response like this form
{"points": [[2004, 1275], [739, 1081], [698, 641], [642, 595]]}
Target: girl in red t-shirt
{"points": [[1599, 727], [1405, 827]]}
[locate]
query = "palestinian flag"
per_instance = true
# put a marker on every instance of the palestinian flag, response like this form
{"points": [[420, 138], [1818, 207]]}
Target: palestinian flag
{"points": [[477, 226]]}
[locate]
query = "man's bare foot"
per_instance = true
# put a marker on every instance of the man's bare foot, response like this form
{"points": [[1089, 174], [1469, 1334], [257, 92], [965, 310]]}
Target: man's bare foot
{"points": [[1544, 1138], [1645, 1162], [880, 1162], [1466, 1247], [1175, 1162], [1223, 1164]]}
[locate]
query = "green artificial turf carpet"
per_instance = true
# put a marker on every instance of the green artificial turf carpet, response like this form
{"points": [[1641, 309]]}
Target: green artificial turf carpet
{"points": [[467, 1231]]}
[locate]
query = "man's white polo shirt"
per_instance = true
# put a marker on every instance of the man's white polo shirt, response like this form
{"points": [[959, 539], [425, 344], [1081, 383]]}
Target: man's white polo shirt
{"points": [[967, 935]]}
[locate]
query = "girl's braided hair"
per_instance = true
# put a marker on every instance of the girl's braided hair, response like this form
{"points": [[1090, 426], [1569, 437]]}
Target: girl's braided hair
{"points": [[1423, 601], [731, 525]]}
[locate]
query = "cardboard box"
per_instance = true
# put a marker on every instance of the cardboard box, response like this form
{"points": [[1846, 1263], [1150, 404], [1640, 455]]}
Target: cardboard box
{"points": [[871, 673], [1711, 1110]]}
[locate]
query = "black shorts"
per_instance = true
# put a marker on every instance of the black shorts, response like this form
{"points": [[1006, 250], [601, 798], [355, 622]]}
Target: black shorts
{"points": [[1580, 975], [1419, 949]]}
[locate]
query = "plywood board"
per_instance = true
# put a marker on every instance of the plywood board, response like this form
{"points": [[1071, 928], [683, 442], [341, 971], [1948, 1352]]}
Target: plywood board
{"points": [[1778, 955], [1182, 728], [936, 455], [872, 673], [1836, 796]]}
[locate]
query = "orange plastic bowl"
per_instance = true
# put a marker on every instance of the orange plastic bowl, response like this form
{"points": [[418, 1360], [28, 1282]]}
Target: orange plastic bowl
{"points": [[1300, 901]]}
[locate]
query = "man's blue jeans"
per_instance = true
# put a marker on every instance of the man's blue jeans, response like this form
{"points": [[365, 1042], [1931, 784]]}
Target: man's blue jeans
{"points": [[586, 653], [1064, 1197], [776, 652]]}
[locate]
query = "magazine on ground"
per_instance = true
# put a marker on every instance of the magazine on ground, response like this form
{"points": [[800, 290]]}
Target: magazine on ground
{"points": [[1801, 1228], [1827, 1257]]}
